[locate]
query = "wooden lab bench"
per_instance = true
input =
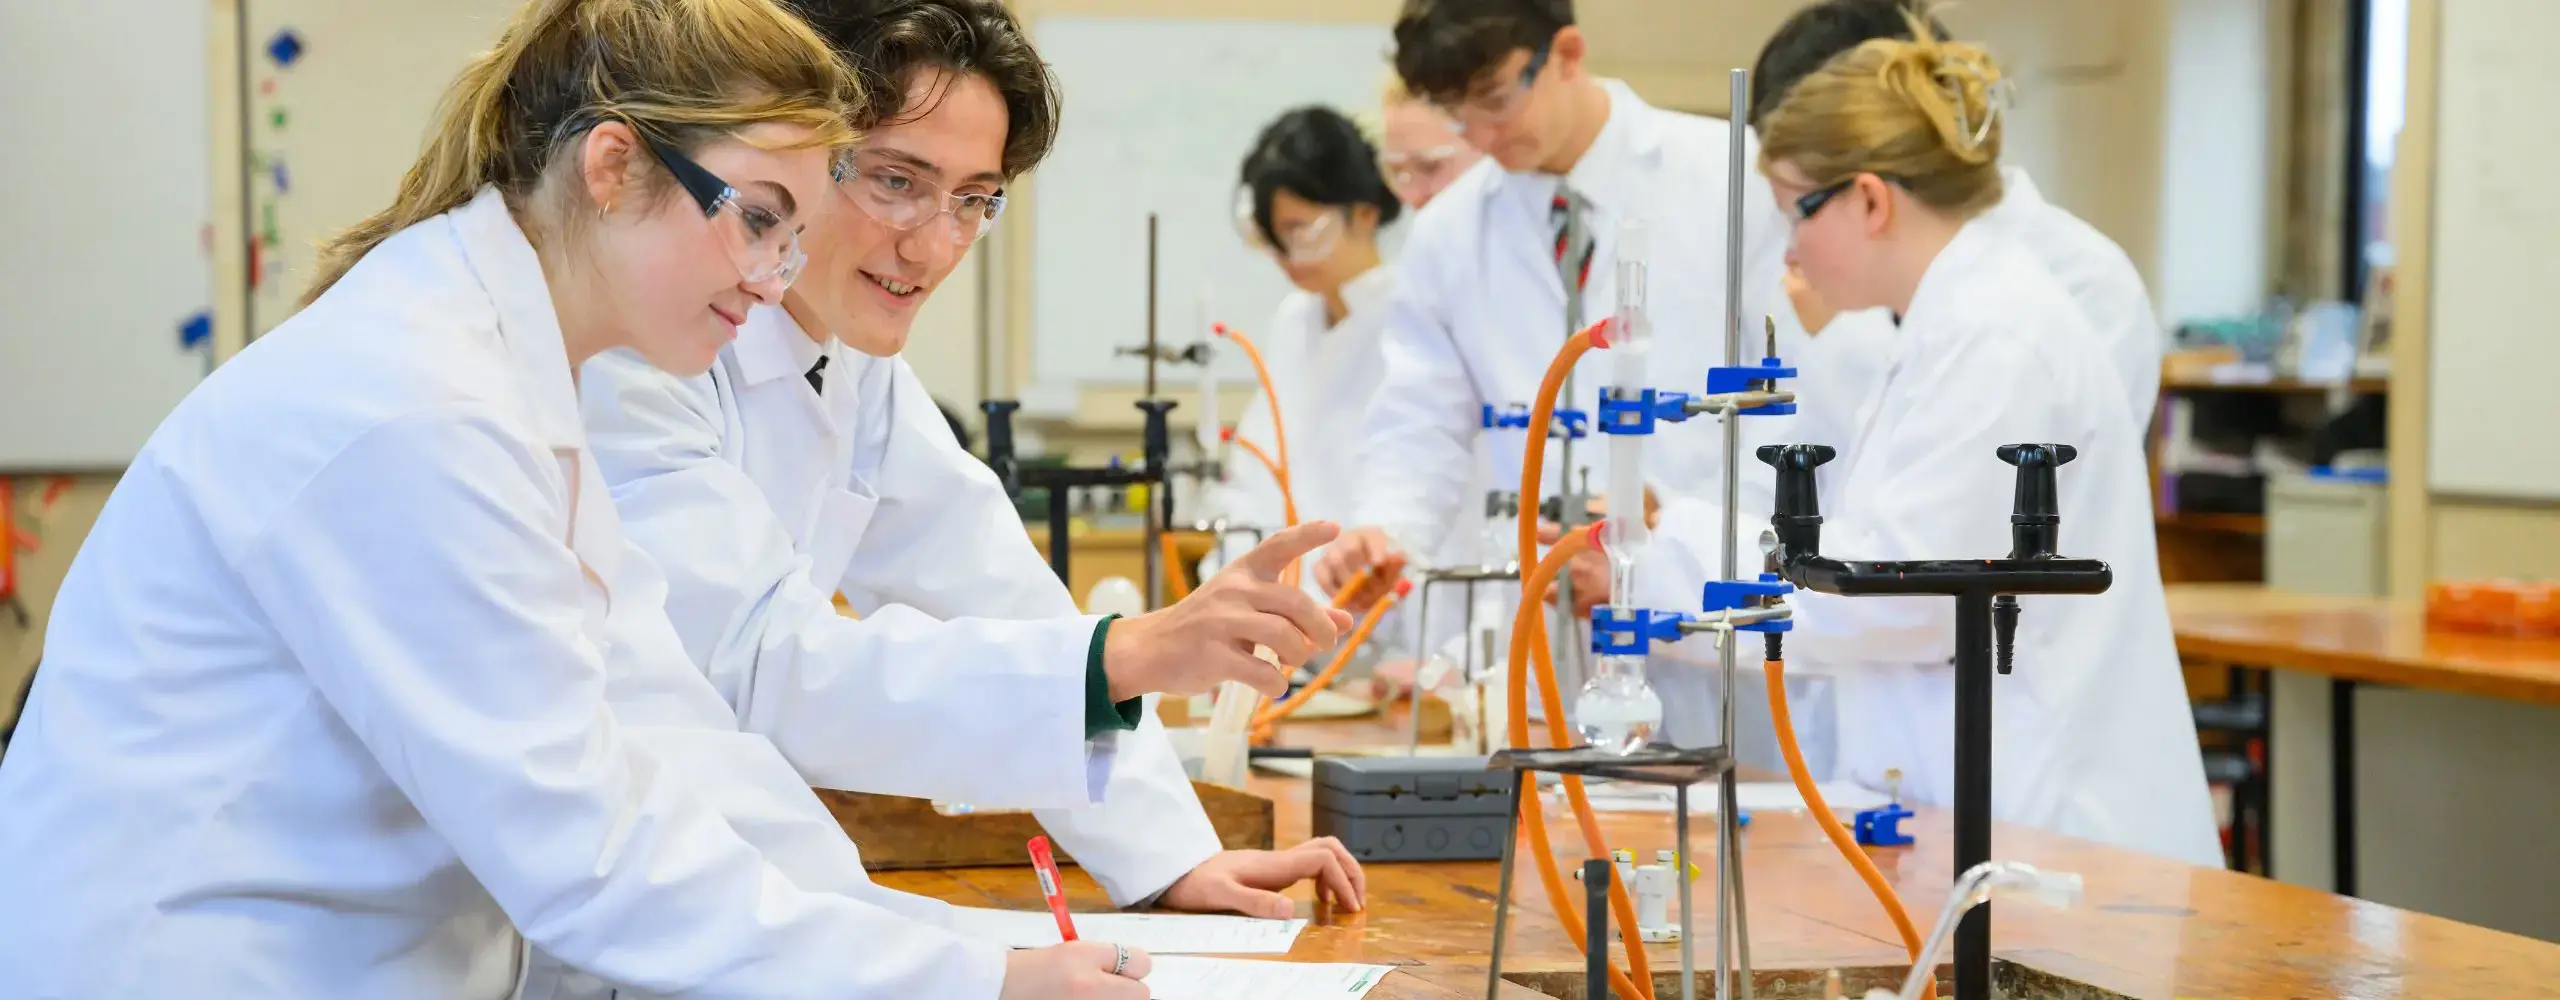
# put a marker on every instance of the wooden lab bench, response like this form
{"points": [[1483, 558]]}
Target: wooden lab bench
{"points": [[2389, 740], [2147, 927]]}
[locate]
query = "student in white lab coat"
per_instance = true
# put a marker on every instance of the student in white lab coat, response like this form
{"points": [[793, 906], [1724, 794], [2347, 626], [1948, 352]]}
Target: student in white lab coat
{"points": [[1311, 196], [1844, 364], [1888, 160], [1419, 149], [1482, 302], [1842, 367], [325, 708], [810, 461]]}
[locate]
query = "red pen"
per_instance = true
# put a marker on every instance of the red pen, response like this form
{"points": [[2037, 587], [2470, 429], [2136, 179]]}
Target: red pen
{"points": [[1052, 886]]}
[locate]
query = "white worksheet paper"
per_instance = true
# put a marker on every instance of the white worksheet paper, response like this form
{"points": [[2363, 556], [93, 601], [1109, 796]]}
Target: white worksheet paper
{"points": [[1155, 933], [1177, 977], [1754, 796]]}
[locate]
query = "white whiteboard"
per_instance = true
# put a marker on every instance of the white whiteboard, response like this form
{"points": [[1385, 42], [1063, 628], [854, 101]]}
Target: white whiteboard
{"points": [[104, 196], [1159, 115], [2493, 322]]}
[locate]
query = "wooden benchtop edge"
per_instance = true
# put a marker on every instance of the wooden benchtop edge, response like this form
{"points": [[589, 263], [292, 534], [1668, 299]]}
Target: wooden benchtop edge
{"points": [[2148, 927]]}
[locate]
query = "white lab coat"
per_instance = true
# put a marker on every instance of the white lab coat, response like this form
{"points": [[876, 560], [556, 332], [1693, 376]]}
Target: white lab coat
{"points": [[1479, 312], [2093, 737], [1844, 367], [762, 500], [325, 703], [1326, 376]]}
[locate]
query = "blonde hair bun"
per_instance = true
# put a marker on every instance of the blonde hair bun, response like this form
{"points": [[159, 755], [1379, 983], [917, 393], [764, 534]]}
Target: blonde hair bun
{"points": [[1956, 86], [1923, 112]]}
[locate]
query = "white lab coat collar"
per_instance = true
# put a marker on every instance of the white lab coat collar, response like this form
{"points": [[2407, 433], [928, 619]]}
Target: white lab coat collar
{"points": [[499, 255], [772, 345], [2018, 193], [1368, 291], [1942, 285]]}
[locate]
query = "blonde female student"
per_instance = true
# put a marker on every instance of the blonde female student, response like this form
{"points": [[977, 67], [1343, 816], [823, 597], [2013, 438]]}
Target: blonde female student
{"points": [[325, 702], [1886, 160]]}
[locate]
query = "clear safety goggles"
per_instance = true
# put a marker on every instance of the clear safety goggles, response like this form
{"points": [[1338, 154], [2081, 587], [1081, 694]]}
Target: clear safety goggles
{"points": [[1308, 242], [1410, 171], [902, 199], [765, 245], [1496, 106]]}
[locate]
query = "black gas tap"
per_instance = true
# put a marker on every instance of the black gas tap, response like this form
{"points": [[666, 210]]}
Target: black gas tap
{"points": [[1000, 455], [2035, 527], [1986, 603]]}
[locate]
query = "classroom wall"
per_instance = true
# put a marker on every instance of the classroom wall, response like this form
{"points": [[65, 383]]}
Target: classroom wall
{"points": [[2216, 155], [2096, 96], [2111, 121]]}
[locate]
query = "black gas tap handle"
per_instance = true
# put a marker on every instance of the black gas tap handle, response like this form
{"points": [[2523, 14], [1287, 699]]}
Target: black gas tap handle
{"points": [[2035, 517], [1157, 447], [2035, 529], [1797, 516], [1000, 456]]}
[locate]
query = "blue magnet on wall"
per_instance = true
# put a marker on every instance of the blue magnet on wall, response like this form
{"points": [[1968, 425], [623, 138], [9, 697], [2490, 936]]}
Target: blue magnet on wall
{"points": [[196, 329], [284, 181], [285, 47]]}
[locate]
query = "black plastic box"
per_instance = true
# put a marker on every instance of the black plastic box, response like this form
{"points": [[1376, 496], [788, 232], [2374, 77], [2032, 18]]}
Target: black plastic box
{"points": [[1413, 808]]}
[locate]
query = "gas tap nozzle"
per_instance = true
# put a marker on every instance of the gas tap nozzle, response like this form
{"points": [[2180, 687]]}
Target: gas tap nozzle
{"points": [[2035, 528]]}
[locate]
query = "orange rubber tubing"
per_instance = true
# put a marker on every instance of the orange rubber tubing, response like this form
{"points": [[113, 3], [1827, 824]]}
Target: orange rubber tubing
{"points": [[1527, 633], [1533, 637], [1279, 474], [1262, 374], [1785, 725], [1177, 581]]}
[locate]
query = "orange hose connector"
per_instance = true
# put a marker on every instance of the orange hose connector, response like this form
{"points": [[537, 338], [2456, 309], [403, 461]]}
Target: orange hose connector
{"points": [[1848, 846]]}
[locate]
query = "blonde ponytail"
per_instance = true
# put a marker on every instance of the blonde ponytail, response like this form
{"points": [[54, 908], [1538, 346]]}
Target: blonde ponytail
{"points": [[676, 70], [1924, 113]]}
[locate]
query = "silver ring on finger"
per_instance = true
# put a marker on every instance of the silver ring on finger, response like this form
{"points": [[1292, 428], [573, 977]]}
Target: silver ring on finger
{"points": [[1119, 959]]}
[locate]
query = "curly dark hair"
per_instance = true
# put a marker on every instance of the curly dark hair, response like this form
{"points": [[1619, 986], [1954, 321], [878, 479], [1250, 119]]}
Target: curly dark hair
{"points": [[1443, 46], [887, 41]]}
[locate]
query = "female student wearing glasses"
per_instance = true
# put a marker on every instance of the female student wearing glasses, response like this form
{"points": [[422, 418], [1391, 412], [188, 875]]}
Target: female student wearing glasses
{"points": [[354, 689]]}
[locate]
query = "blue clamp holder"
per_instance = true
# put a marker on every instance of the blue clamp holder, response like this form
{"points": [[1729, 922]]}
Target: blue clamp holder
{"points": [[1573, 424], [1883, 827], [1632, 635], [1637, 415], [1736, 595], [1721, 381], [1568, 423]]}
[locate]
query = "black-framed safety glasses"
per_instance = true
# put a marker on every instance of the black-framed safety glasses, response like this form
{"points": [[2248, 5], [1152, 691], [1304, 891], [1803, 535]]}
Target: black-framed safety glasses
{"points": [[765, 245]]}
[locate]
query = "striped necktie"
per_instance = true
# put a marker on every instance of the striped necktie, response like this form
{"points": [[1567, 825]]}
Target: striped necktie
{"points": [[1565, 214]]}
